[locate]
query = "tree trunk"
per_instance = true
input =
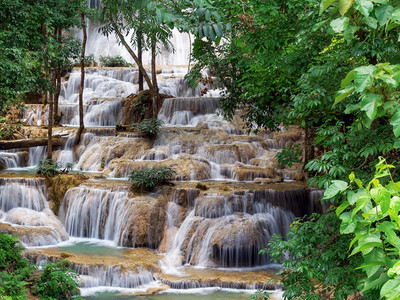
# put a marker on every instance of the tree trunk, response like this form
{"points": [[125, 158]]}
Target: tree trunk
{"points": [[81, 125], [57, 118], [27, 143], [136, 59], [154, 78], [139, 38], [308, 145], [50, 126]]}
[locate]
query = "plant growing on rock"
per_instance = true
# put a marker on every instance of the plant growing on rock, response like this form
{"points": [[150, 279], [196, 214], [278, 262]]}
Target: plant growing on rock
{"points": [[113, 61], [149, 178], [48, 168], [149, 127], [57, 281]]}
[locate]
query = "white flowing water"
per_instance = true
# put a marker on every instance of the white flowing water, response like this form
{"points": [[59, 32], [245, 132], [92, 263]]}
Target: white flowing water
{"points": [[24, 211]]}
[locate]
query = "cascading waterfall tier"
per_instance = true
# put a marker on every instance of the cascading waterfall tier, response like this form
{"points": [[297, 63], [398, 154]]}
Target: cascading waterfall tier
{"points": [[183, 111], [24, 212], [104, 213], [228, 230], [133, 268]]}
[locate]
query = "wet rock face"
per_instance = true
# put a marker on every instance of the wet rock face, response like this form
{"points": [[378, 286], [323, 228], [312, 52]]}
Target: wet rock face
{"points": [[34, 228], [104, 212], [139, 107], [227, 229], [24, 208], [129, 270], [185, 166]]}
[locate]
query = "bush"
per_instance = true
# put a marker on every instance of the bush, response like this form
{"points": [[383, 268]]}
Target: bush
{"points": [[48, 168], [149, 127], [10, 254], [113, 61], [57, 281], [89, 60], [149, 178]]}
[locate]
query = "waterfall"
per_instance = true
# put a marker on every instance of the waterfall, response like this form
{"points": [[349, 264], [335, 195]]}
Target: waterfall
{"points": [[12, 158], [36, 154], [66, 154], [226, 231], [19, 192], [187, 111], [102, 213], [24, 212]]}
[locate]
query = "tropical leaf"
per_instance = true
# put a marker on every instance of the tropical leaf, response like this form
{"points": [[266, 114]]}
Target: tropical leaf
{"points": [[344, 6], [370, 104], [364, 77]]}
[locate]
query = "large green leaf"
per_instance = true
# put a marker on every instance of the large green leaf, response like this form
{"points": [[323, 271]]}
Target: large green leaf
{"points": [[395, 269], [396, 15], [391, 289], [348, 224], [389, 229], [342, 94], [364, 77], [344, 6], [325, 4], [371, 22], [383, 14], [364, 6], [367, 242], [349, 78], [373, 261], [336, 187], [340, 24], [381, 196], [370, 104], [395, 122]]}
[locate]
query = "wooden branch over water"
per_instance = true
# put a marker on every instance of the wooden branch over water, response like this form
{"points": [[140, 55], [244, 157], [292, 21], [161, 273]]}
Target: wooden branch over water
{"points": [[27, 143]]}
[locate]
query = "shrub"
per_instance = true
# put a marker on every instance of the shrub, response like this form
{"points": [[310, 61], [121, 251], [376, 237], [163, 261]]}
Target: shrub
{"points": [[10, 254], [48, 168], [113, 61], [57, 281], [149, 178], [89, 60], [14, 269], [149, 127]]}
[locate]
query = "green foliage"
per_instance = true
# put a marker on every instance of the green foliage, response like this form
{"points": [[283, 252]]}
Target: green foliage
{"points": [[141, 105], [30, 46], [370, 215], [14, 270], [48, 168], [9, 130], [289, 155], [10, 254], [149, 127], [89, 61], [149, 178], [113, 61], [12, 285], [57, 281], [319, 266]]}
